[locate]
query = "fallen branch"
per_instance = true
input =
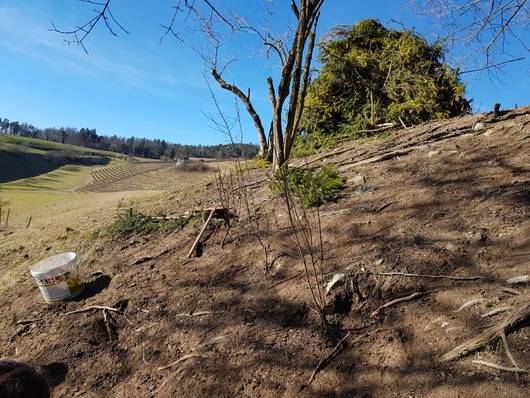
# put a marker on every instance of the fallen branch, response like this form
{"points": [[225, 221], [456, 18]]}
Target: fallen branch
{"points": [[495, 312], [324, 361], [201, 233], [409, 275], [397, 301], [500, 367], [490, 335]]}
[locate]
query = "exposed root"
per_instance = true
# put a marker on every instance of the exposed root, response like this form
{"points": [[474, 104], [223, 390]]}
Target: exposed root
{"points": [[398, 300], [324, 361]]}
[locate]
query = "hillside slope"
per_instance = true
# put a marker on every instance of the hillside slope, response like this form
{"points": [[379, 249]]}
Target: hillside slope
{"points": [[445, 198], [23, 157]]}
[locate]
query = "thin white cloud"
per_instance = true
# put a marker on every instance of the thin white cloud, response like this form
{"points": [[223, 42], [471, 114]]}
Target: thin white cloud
{"points": [[29, 36]]}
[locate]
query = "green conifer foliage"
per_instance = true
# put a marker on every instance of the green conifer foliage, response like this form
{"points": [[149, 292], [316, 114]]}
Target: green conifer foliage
{"points": [[372, 75]]}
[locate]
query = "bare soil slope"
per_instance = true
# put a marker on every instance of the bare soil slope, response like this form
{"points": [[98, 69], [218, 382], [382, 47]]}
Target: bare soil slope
{"points": [[445, 198]]}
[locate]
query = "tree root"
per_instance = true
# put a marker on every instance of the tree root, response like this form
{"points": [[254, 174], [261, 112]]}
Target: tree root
{"points": [[398, 300]]}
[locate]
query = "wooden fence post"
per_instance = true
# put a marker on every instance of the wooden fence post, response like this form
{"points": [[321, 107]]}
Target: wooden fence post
{"points": [[7, 216]]}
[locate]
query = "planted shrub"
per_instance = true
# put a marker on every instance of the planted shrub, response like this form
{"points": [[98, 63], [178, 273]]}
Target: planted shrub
{"points": [[312, 188]]}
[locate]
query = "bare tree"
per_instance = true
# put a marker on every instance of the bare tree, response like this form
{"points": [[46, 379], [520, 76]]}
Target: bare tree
{"points": [[294, 54], [287, 97], [485, 27]]}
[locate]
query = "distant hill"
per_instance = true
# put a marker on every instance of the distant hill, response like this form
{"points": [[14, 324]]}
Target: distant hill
{"points": [[23, 157]]}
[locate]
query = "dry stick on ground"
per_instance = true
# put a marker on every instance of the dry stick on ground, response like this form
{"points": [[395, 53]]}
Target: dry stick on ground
{"points": [[28, 321], [78, 311], [495, 312], [325, 360], [500, 367], [148, 258], [107, 324], [490, 335], [511, 291], [286, 280], [398, 300], [409, 275], [194, 352], [194, 246], [193, 314], [91, 308]]}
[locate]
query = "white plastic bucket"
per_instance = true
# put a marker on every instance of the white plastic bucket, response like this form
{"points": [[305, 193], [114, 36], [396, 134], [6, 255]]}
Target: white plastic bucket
{"points": [[57, 277]]}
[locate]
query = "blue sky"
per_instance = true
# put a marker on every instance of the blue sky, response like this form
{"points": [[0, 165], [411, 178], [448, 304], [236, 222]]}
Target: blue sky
{"points": [[134, 86]]}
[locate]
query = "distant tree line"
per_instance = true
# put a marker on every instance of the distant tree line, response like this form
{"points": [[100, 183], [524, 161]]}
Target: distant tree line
{"points": [[133, 146]]}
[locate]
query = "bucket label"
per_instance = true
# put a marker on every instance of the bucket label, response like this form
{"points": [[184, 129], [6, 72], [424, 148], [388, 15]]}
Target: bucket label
{"points": [[59, 287]]}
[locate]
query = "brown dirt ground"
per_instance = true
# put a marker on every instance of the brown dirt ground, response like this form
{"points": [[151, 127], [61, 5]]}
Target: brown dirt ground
{"points": [[262, 339]]}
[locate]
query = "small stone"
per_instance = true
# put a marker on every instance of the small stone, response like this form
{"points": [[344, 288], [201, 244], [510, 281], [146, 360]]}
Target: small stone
{"points": [[379, 261], [451, 247], [433, 153], [357, 180], [474, 237], [478, 126]]}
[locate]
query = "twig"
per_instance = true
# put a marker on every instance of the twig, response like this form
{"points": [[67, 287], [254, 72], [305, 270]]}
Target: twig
{"points": [[143, 356], [511, 291], [193, 352], [325, 360], [383, 207], [406, 274], [500, 367], [402, 123], [29, 321], [198, 313], [148, 258], [91, 308], [181, 359], [495, 312], [469, 304], [107, 325], [286, 280], [398, 300], [194, 246]]}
